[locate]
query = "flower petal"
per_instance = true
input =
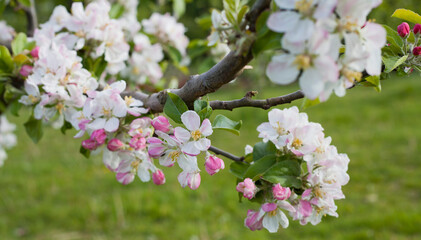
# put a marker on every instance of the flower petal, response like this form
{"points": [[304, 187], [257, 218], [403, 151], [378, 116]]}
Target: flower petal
{"points": [[191, 120], [206, 128]]}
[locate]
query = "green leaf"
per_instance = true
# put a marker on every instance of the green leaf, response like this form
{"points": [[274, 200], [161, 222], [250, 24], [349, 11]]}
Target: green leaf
{"points": [[396, 42], [21, 59], [407, 15], [203, 109], [34, 129], [309, 103], [174, 107], [242, 13], [85, 152], [25, 2], [238, 169], [268, 41], [262, 149], [392, 62], [14, 107], [261, 26], [116, 11], [373, 81], [19, 43], [6, 62], [179, 8], [66, 126], [11, 93], [174, 54], [260, 167], [286, 173], [223, 123]]}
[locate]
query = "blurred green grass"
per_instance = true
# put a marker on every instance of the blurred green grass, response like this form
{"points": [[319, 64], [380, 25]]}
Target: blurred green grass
{"points": [[50, 191]]}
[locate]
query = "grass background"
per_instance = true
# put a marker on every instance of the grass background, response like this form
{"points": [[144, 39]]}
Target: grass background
{"points": [[49, 191]]}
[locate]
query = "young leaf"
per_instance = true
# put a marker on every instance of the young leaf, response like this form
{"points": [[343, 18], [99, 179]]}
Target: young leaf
{"points": [[34, 129], [262, 149], [224, 123], [286, 173], [407, 15], [174, 107], [179, 8], [116, 11], [6, 62], [392, 62], [19, 43], [373, 81], [309, 103], [203, 109], [260, 167], [174, 54]]}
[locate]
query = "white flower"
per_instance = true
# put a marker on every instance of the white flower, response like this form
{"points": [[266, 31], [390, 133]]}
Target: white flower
{"points": [[194, 138], [7, 32]]}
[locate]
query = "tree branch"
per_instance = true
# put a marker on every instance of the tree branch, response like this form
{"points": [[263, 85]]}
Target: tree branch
{"points": [[31, 16], [246, 101], [220, 74], [218, 151]]}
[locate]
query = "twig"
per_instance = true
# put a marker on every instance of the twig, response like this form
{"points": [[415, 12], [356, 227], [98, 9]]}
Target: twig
{"points": [[31, 16], [226, 154], [246, 101]]}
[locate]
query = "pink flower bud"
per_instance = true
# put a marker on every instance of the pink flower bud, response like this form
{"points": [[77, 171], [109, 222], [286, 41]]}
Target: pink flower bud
{"points": [[269, 207], [417, 28], [125, 178], [115, 145], [253, 220], [99, 136], [247, 188], [158, 177], [156, 147], [138, 142], [404, 29], [193, 181], [416, 51], [213, 164], [26, 70], [35, 52], [161, 123], [89, 144], [281, 193]]}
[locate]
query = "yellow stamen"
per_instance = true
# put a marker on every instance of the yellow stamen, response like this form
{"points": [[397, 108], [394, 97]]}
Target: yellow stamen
{"points": [[32, 98], [106, 112], [297, 143], [129, 100], [174, 155], [351, 76], [280, 130], [107, 87], [272, 213], [60, 107], [196, 135], [135, 165], [303, 62], [136, 71], [304, 6]]}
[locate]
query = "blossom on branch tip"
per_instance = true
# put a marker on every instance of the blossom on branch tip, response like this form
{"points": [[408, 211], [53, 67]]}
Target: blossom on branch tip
{"points": [[213, 164], [404, 29], [161, 123], [281, 193]]}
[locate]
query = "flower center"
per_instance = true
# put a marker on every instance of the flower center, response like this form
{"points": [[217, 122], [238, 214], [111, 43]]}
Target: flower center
{"points": [[60, 107], [135, 165], [174, 155], [196, 134], [351, 76], [318, 192], [106, 112], [280, 130], [128, 100], [33, 99], [297, 143], [272, 213], [304, 6], [303, 62]]}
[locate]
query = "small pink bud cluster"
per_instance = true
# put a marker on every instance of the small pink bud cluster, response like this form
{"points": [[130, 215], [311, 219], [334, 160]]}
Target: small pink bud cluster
{"points": [[248, 188], [213, 164], [115, 145], [97, 138], [161, 123], [158, 177]]}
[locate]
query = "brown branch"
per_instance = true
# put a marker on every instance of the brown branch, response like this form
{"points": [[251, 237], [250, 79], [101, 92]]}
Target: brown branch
{"points": [[218, 151], [31, 16], [247, 101], [220, 74]]}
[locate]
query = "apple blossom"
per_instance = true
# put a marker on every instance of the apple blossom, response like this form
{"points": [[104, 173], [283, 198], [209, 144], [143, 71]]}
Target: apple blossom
{"points": [[158, 177], [7, 137], [115, 144], [416, 51], [161, 123], [417, 29], [7, 32], [247, 187], [404, 29], [281, 193]]}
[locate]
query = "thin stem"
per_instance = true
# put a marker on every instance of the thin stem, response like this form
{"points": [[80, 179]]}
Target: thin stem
{"points": [[218, 151]]}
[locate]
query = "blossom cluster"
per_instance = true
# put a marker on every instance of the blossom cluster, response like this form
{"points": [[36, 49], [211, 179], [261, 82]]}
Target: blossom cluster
{"points": [[167, 30], [313, 35], [7, 138], [412, 49], [182, 145], [322, 179]]}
